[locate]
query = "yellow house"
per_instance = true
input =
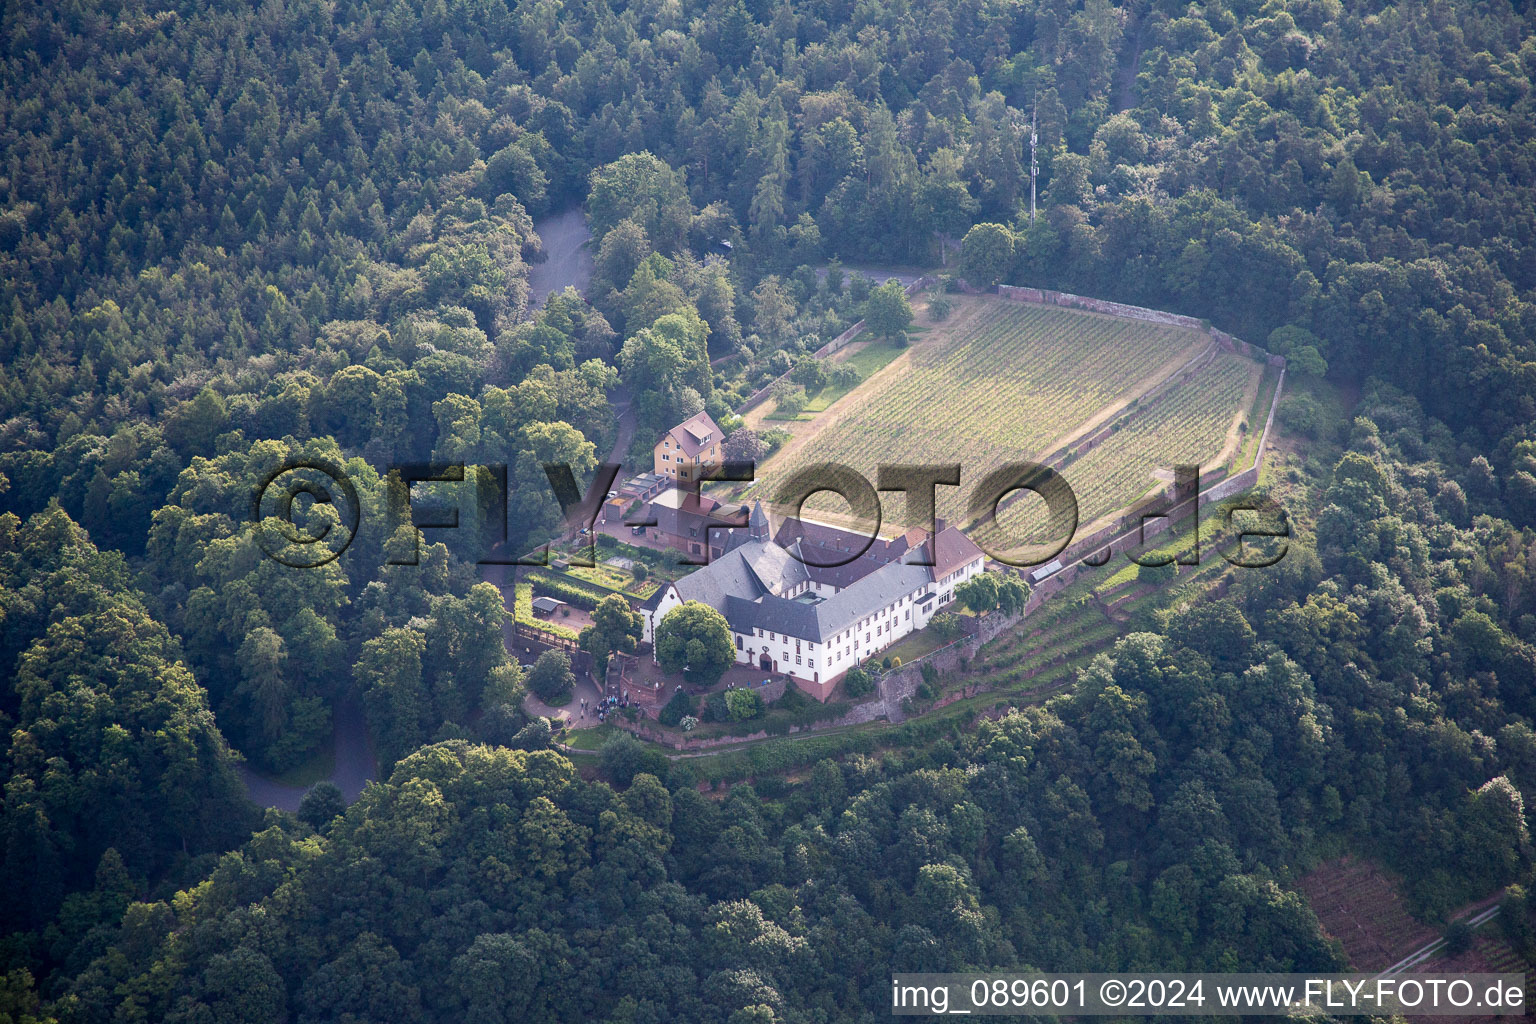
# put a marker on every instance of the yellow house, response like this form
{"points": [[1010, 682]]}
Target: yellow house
{"points": [[689, 450]]}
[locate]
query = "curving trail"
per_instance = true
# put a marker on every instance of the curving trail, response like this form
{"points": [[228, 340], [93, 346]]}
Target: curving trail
{"points": [[355, 766]]}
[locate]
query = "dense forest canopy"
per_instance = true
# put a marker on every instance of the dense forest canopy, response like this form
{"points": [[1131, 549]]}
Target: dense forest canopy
{"points": [[235, 236]]}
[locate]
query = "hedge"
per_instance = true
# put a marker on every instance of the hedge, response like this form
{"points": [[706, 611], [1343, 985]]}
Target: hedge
{"points": [[522, 613], [579, 593]]}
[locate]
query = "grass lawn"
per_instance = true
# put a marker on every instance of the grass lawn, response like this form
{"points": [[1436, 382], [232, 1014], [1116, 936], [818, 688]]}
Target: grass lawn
{"points": [[873, 358], [1257, 416], [915, 645], [588, 739], [869, 360]]}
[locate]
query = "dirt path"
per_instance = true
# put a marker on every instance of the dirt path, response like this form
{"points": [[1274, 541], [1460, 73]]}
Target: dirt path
{"points": [[1234, 441], [1125, 74], [624, 408]]}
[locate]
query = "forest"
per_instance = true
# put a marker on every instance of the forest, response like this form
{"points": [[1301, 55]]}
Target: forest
{"points": [[234, 236]]}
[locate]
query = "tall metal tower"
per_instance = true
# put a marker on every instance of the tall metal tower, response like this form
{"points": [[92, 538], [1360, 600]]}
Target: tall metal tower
{"points": [[1034, 163]]}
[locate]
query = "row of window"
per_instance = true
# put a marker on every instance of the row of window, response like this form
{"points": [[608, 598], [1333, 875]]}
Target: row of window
{"points": [[668, 445], [881, 628]]}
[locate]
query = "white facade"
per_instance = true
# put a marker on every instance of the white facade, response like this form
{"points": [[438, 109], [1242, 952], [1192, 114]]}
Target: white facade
{"points": [[816, 662]]}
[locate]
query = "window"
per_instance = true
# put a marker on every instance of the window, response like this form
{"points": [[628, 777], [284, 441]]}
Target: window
{"points": [[811, 663], [797, 659], [738, 641]]}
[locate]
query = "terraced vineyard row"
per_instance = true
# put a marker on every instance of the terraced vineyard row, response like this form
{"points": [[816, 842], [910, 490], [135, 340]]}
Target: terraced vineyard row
{"points": [[1012, 383], [1188, 425]]}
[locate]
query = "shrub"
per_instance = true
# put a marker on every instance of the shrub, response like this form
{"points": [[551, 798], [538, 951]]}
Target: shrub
{"points": [[792, 700], [581, 594], [809, 373], [771, 787], [743, 704], [1300, 414], [607, 541], [533, 736], [857, 682], [321, 804], [859, 286], [501, 723], [715, 708], [845, 376], [945, 626], [885, 662], [939, 308], [676, 709], [792, 404], [895, 663], [1458, 937], [930, 674]]}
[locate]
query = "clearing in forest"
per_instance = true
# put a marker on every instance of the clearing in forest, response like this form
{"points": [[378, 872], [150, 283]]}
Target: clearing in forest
{"points": [[1359, 904], [1002, 381]]}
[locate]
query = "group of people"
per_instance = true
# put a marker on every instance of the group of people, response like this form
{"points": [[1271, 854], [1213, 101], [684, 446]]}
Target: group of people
{"points": [[605, 705]]}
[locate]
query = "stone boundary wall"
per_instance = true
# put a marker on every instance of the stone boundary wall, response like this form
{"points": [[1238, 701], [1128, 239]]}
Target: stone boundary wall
{"points": [[1044, 296], [759, 396]]}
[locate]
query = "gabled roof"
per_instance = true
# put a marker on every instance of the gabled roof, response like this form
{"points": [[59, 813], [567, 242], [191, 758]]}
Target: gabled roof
{"points": [[951, 550], [745, 583], [820, 621], [687, 514], [695, 434]]}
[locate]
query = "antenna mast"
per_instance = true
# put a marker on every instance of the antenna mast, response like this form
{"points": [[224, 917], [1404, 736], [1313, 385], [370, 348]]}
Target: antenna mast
{"points": [[1034, 163]]}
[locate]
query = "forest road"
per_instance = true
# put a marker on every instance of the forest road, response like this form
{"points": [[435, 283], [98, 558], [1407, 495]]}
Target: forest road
{"points": [[355, 765], [568, 258]]}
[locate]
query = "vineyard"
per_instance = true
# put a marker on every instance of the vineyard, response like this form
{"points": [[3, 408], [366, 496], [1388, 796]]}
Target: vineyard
{"points": [[1188, 425], [1003, 382]]}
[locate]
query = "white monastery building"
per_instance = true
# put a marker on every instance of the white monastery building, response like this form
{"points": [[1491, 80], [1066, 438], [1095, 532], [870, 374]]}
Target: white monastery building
{"points": [[801, 604]]}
